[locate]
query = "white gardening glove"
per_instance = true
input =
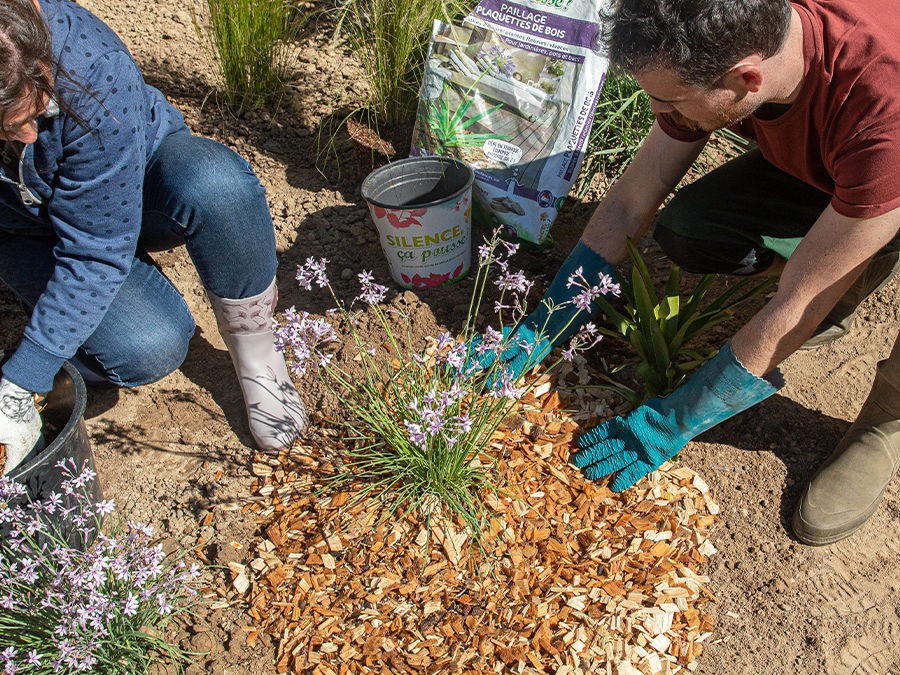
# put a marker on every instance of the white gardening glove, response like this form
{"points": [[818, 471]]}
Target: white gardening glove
{"points": [[20, 424]]}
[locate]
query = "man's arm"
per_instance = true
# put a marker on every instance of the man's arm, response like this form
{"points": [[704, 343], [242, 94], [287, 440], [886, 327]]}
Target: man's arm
{"points": [[627, 210], [630, 205], [825, 264]]}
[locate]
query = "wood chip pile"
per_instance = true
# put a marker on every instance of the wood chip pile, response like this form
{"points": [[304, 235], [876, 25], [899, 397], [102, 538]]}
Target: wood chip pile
{"points": [[576, 579]]}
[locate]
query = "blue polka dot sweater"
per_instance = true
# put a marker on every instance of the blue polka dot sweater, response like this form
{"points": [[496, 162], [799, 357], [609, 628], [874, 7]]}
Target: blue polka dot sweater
{"points": [[87, 176]]}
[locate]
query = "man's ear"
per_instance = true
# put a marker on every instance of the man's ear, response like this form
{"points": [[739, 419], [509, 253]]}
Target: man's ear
{"points": [[745, 76]]}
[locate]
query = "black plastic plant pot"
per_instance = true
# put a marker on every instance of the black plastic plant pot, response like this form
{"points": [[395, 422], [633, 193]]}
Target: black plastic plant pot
{"points": [[63, 416]]}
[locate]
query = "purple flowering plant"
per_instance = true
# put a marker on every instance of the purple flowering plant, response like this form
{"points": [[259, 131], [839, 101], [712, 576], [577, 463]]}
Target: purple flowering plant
{"points": [[420, 418], [98, 608], [500, 59]]}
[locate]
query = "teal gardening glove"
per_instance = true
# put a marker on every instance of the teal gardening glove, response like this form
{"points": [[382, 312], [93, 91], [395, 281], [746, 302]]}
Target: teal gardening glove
{"points": [[639, 442], [542, 330]]}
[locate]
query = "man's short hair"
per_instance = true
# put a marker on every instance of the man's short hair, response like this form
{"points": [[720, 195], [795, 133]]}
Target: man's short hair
{"points": [[697, 39]]}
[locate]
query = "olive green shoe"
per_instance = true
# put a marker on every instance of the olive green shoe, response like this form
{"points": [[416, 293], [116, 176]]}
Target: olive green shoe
{"points": [[840, 319], [828, 332], [848, 488]]}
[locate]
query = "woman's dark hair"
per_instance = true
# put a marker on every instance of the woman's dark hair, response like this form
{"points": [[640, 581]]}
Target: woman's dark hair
{"points": [[697, 39], [26, 56]]}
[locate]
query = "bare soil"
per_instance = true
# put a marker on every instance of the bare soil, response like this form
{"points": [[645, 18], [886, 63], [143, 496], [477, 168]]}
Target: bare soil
{"points": [[178, 453]]}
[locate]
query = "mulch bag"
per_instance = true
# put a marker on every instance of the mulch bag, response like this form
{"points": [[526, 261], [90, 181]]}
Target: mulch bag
{"points": [[512, 92]]}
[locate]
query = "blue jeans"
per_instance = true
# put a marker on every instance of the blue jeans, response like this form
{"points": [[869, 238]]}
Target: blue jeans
{"points": [[198, 193]]}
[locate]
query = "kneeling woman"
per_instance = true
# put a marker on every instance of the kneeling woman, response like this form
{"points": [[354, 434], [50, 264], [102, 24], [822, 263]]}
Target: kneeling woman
{"points": [[98, 169]]}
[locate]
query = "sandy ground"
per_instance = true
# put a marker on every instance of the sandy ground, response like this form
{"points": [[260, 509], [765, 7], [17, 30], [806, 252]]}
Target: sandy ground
{"points": [[177, 453]]}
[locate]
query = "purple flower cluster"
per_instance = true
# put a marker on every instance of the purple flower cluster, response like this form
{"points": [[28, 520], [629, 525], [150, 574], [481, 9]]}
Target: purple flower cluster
{"points": [[303, 337], [63, 607], [370, 292], [489, 341], [583, 340], [438, 415], [583, 300], [498, 253], [505, 387], [312, 272], [450, 352]]}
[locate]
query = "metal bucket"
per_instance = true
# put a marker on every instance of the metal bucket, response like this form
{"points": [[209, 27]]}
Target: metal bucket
{"points": [[422, 209]]}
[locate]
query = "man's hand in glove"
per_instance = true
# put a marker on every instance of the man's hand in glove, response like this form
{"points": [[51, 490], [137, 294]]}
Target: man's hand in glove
{"points": [[20, 424], [543, 329], [634, 445]]}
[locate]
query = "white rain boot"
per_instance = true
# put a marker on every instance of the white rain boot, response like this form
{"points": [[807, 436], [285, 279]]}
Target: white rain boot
{"points": [[276, 414]]}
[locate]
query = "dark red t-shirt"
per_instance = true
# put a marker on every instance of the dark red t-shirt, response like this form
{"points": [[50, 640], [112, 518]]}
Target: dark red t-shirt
{"points": [[842, 134]]}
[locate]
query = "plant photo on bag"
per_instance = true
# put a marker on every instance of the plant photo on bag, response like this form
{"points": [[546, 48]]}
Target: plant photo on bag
{"points": [[419, 421], [448, 125], [103, 608]]}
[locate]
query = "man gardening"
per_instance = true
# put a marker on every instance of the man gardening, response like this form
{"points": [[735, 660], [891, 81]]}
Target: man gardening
{"points": [[817, 201]]}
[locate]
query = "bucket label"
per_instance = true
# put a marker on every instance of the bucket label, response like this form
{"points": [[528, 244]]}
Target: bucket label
{"points": [[425, 240], [426, 250], [428, 260]]}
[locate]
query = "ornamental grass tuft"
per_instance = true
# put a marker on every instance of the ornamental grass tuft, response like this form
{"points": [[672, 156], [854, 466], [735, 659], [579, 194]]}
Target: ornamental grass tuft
{"points": [[419, 421], [250, 39], [390, 39], [100, 609]]}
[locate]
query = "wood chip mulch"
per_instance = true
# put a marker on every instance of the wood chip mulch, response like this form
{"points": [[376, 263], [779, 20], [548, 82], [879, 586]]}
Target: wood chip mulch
{"points": [[575, 579]]}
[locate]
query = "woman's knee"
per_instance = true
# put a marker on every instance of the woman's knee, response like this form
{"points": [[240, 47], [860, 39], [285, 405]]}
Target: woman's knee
{"points": [[144, 335], [209, 178], [149, 355]]}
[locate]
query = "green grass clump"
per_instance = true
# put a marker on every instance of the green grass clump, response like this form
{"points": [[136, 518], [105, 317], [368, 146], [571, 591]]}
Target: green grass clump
{"points": [[390, 39], [621, 122], [251, 40]]}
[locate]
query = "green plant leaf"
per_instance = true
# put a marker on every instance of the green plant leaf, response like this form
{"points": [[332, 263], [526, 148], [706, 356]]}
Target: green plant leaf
{"points": [[670, 306], [480, 116], [645, 279], [621, 322], [644, 296], [743, 290]]}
